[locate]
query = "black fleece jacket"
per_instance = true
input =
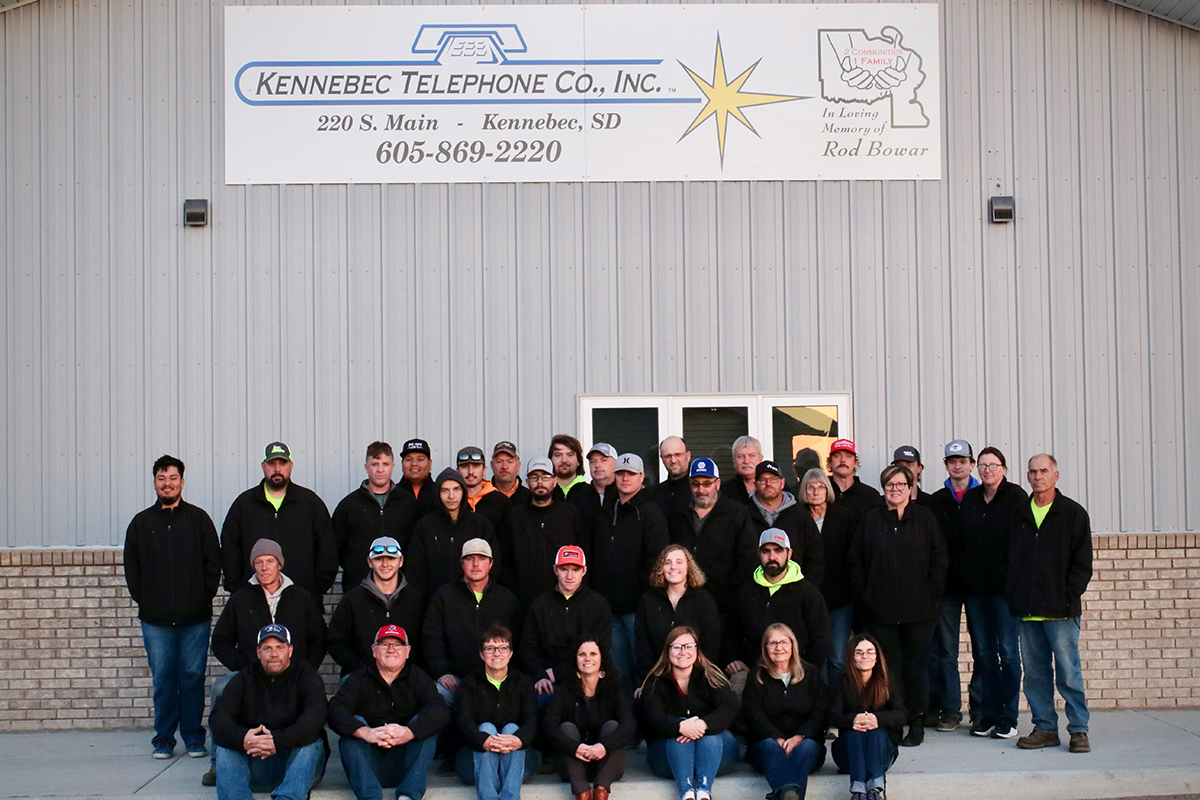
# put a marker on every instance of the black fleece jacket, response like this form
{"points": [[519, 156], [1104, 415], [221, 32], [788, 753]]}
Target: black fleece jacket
{"points": [[570, 705], [411, 700], [554, 624], [291, 705], [434, 556], [726, 548], [801, 529], [1049, 568], [530, 540], [626, 540], [300, 526], [494, 507], [844, 706], [656, 617], [663, 705], [672, 493], [455, 621], [777, 711], [172, 564], [359, 520], [983, 568], [837, 533], [898, 566], [478, 701], [859, 499], [362, 612], [235, 636], [427, 500], [948, 512], [798, 605], [585, 498]]}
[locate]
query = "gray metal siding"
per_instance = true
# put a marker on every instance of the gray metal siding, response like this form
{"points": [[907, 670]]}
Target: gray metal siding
{"points": [[333, 315]]}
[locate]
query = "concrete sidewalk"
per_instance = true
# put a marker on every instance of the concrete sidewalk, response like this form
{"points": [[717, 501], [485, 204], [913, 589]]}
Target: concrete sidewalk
{"points": [[1135, 753]]}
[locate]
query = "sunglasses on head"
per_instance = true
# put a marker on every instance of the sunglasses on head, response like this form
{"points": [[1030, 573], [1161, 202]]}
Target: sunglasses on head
{"points": [[385, 550]]}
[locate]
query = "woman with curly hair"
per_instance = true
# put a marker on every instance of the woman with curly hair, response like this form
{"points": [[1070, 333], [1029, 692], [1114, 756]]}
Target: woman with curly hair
{"points": [[869, 715], [786, 706], [687, 708], [590, 723], [675, 598]]}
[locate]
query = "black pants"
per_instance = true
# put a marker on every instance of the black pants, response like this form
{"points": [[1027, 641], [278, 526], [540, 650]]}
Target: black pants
{"points": [[906, 647], [582, 774]]}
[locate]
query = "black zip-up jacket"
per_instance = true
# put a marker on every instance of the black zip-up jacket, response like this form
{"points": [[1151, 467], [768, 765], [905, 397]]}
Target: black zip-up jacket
{"points": [[656, 617], [570, 705], [478, 701], [359, 520], [172, 564], [530, 541], [362, 612], [428, 500], [585, 498], [520, 495], [554, 624], [673, 493], [455, 621], [663, 705], [235, 636], [291, 705], [435, 552], [411, 700], [300, 526], [734, 489], [776, 711], [948, 512], [493, 507], [898, 566], [798, 605], [726, 548], [626, 540], [859, 499], [983, 568], [1049, 568], [798, 524], [837, 532], [844, 706]]}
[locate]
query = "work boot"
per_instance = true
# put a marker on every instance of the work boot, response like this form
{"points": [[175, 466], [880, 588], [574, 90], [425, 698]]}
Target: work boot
{"points": [[1079, 743], [916, 734], [209, 778], [1036, 740]]}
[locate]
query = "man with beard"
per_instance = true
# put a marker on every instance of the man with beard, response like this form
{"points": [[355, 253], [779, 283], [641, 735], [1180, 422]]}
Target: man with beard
{"points": [[674, 490], [850, 492], [506, 473], [771, 506], [289, 514], [416, 462], [566, 454], [376, 508], [483, 498], [533, 534]]}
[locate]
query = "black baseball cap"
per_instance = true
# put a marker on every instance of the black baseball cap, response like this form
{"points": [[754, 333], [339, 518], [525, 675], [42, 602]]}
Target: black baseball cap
{"points": [[416, 446]]}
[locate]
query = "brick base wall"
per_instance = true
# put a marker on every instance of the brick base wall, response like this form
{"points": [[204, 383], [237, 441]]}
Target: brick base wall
{"points": [[1140, 641]]}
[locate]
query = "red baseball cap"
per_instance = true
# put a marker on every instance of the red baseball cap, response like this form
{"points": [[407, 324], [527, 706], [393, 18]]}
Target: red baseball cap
{"points": [[391, 632], [570, 555], [843, 444]]}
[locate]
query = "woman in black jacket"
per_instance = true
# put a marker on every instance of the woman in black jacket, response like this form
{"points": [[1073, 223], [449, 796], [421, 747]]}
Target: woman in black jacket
{"points": [[590, 723], [687, 708], [898, 566], [673, 600], [869, 715], [785, 707], [836, 525]]}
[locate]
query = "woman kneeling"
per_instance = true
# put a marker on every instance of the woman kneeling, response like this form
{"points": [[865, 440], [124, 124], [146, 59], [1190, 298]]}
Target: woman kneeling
{"points": [[687, 708], [869, 716]]}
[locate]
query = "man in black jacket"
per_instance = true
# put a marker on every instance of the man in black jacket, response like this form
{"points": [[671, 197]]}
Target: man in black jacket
{"points": [[772, 506], [849, 491], [382, 598], [416, 462], [674, 490], [172, 568], [591, 498], [288, 513], [482, 497], [533, 534], [434, 556], [1049, 567], [387, 714], [506, 473], [747, 454], [268, 724], [376, 508]]}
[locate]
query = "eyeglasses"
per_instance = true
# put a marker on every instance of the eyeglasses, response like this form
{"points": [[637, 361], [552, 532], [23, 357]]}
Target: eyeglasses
{"points": [[896, 487], [385, 550], [767, 477], [778, 644], [391, 647], [496, 649], [682, 648], [863, 653], [990, 467]]}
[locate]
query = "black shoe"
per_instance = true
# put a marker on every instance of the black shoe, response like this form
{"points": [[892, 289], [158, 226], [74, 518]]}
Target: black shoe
{"points": [[948, 722], [446, 768], [209, 778], [982, 727], [916, 735], [1005, 729], [932, 718]]}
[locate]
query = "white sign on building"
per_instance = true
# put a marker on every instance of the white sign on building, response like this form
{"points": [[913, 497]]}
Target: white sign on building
{"points": [[436, 94]]}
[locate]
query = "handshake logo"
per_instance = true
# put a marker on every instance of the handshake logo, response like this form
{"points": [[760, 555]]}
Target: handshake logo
{"points": [[858, 68]]}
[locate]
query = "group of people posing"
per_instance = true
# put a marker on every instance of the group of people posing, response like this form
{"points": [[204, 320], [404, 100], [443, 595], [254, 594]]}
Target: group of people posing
{"points": [[681, 614]]}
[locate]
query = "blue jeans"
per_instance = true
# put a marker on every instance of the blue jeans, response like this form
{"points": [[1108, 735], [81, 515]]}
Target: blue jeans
{"points": [[945, 689], [1040, 643], [866, 755], [496, 776], [782, 769], [623, 655], [841, 620], [370, 767], [693, 765], [996, 652], [288, 775], [177, 656]]}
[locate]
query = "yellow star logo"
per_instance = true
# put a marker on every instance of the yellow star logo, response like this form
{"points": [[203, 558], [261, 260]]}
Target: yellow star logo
{"points": [[726, 98]]}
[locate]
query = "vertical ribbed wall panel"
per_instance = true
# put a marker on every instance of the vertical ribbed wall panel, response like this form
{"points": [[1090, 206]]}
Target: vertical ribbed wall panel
{"points": [[334, 315]]}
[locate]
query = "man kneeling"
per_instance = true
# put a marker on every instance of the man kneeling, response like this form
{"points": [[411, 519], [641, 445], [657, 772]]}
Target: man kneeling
{"points": [[267, 724], [388, 714]]}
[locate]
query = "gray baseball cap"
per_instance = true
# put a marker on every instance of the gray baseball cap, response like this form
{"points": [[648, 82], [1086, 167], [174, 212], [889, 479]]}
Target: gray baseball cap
{"points": [[959, 447], [540, 464], [630, 462], [604, 448]]}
